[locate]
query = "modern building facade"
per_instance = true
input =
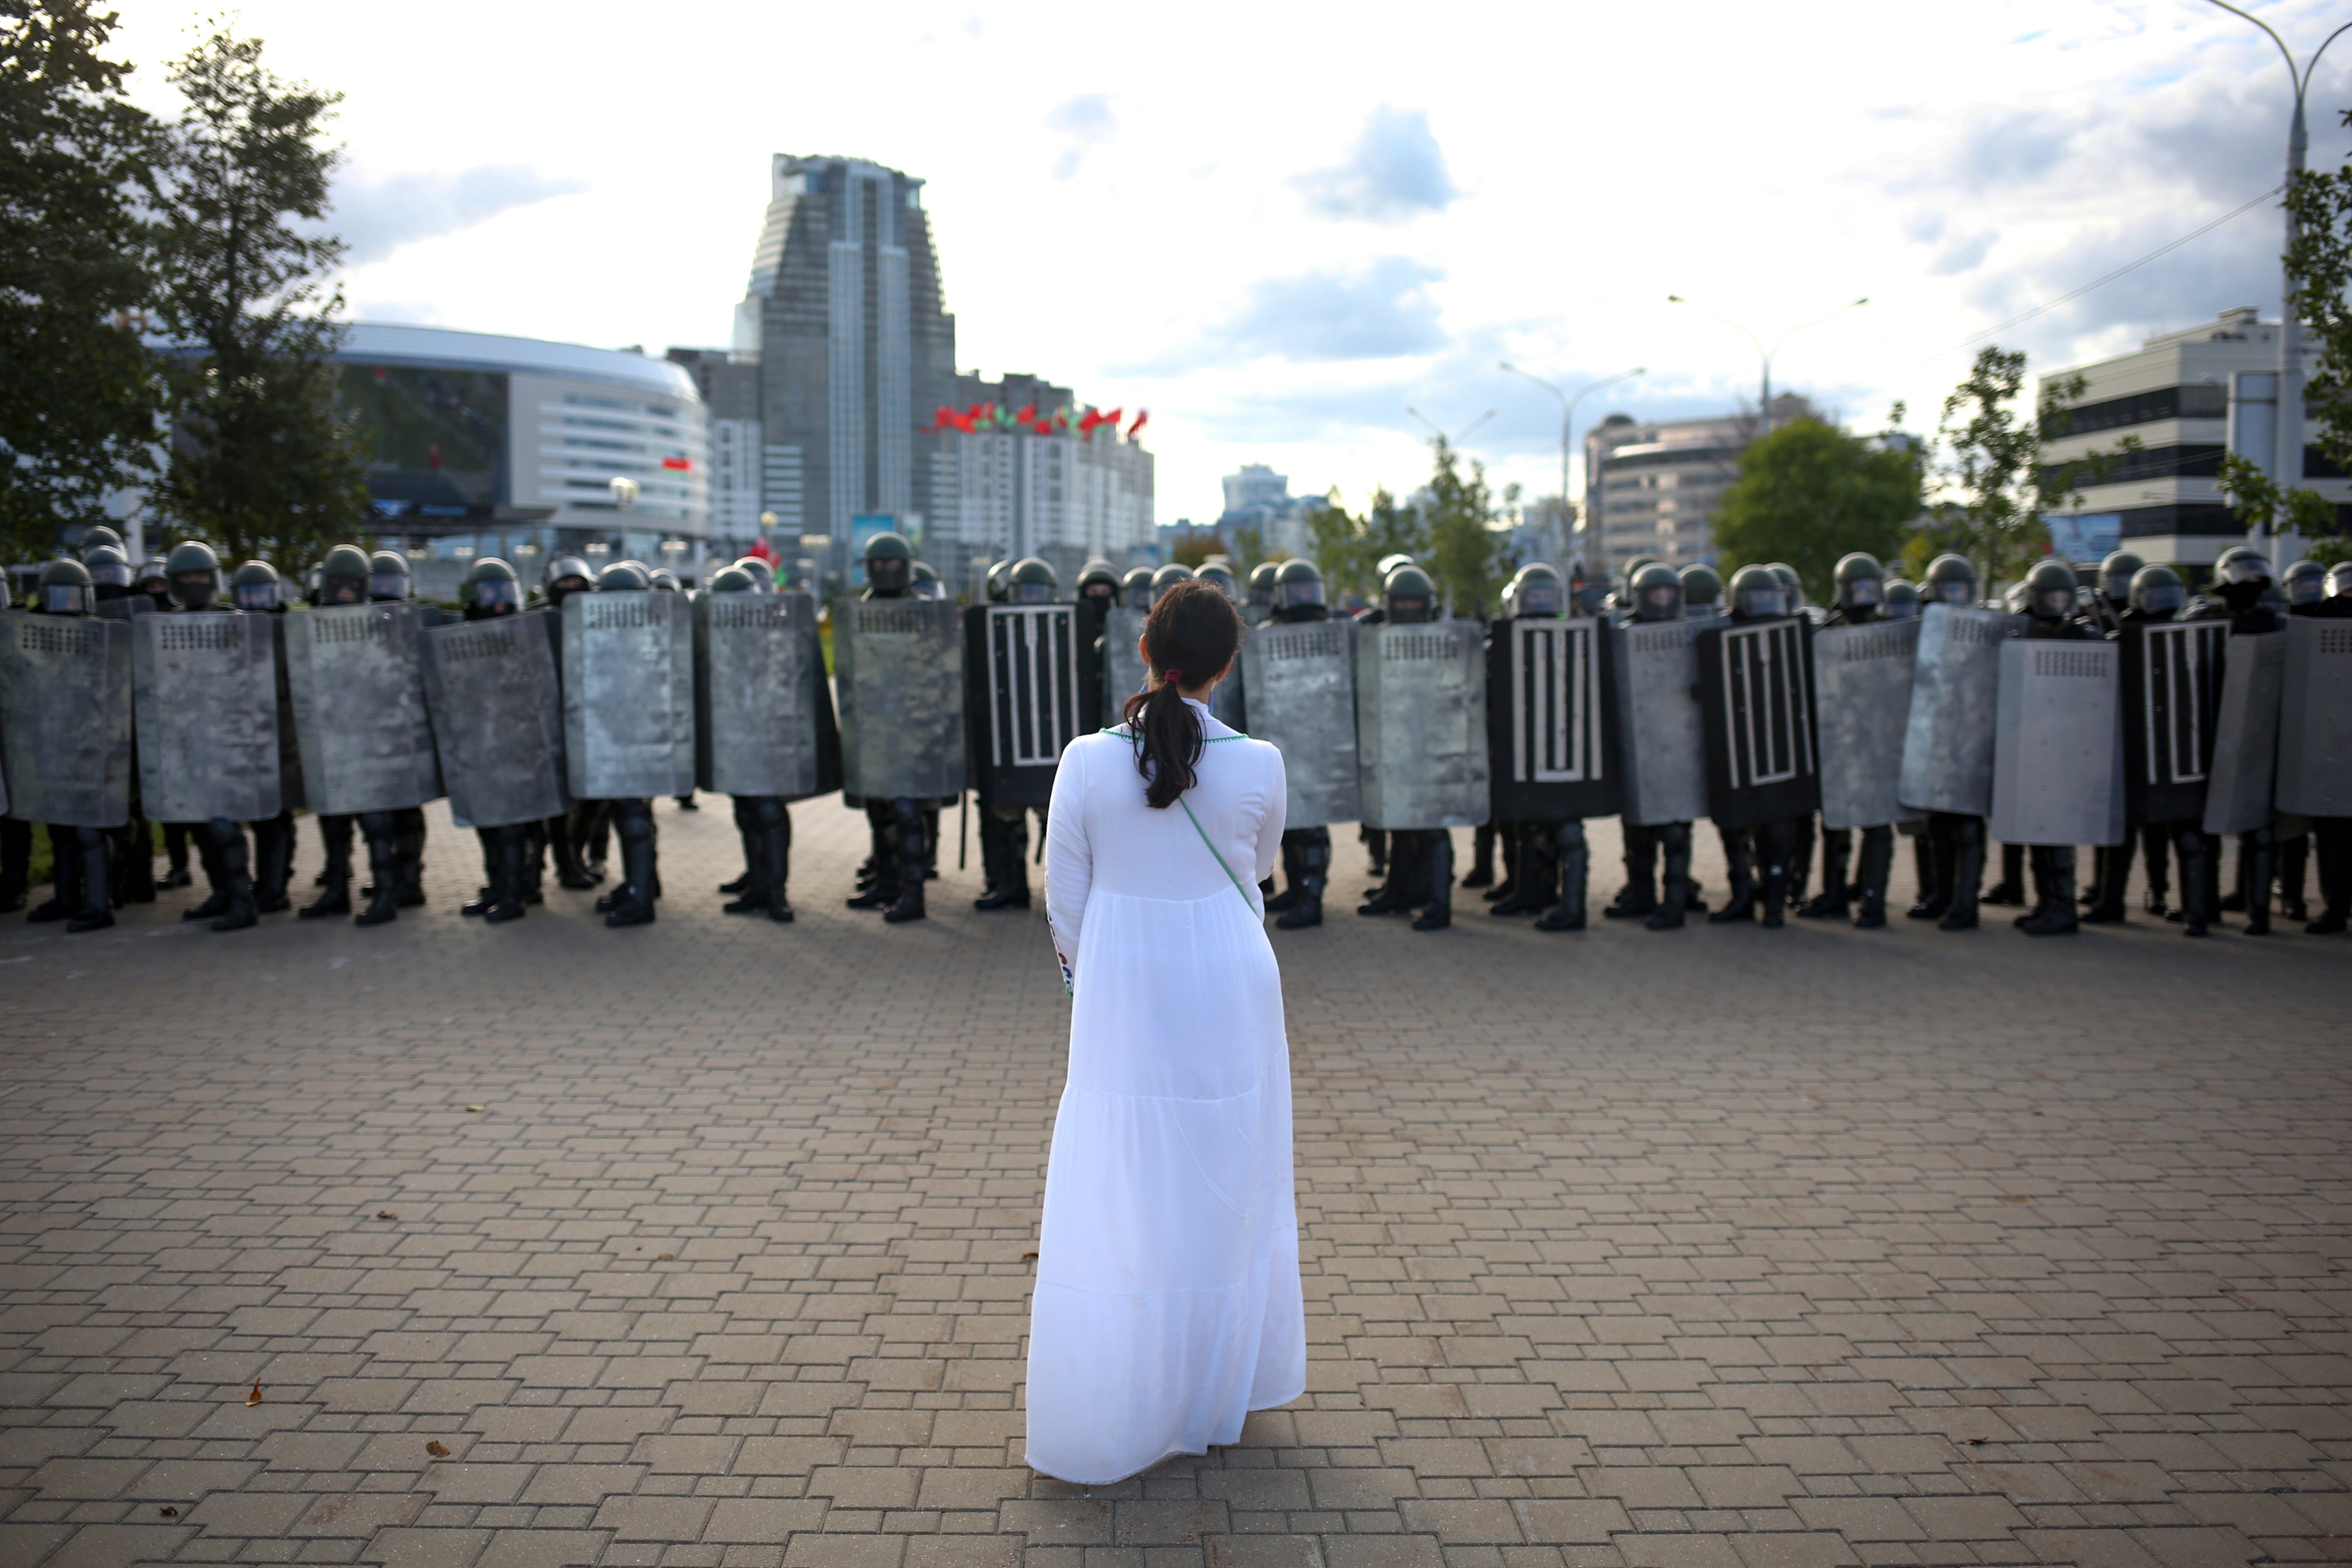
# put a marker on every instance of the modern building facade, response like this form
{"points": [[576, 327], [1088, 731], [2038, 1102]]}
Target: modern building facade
{"points": [[1652, 488], [855, 350], [2182, 395], [729, 385], [1003, 493], [1258, 498]]}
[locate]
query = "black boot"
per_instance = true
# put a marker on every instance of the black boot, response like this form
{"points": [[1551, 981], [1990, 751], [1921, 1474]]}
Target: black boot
{"points": [[486, 896], [132, 848], [1376, 850], [1638, 898], [508, 851], [1739, 858], [65, 866], [881, 889], [1314, 863], [1481, 857], [591, 834], [1278, 903], [1011, 890], [335, 876], [381, 829], [2011, 889], [96, 852], [1797, 867], [1395, 896], [2110, 874], [752, 888], [1932, 859], [1675, 840], [1773, 874], [410, 893], [2293, 868], [2155, 845], [2191, 851], [237, 877], [776, 858], [633, 901], [175, 855], [15, 863], [208, 856], [1437, 882], [2258, 852], [2055, 868], [749, 835], [1835, 897], [273, 863], [561, 842], [1968, 834], [912, 854], [1575, 870], [1534, 874], [1876, 865]]}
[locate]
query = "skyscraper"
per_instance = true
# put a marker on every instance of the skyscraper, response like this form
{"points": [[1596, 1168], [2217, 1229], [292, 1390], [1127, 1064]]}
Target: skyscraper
{"points": [[855, 350]]}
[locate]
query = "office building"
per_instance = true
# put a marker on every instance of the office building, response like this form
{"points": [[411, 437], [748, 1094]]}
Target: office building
{"points": [[1653, 488], [729, 385], [1259, 499], [1002, 492], [2163, 499]]}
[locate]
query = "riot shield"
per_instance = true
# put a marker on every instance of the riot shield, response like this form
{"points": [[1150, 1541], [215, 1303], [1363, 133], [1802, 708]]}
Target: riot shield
{"points": [[2172, 679], [357, 673], [1229, 698], [1303, 677], [628, 694], [763, 714], [293, 793], [2245, 733], [2058, 746], [1024, 700], [1123, 674], [203, 688], [1755, 700], [1862, 704], [898, 665], [65, 718], [1421, 724], [2314, 761], [1947, 749], [1661, 741], [497, 712], [1549, 726]]}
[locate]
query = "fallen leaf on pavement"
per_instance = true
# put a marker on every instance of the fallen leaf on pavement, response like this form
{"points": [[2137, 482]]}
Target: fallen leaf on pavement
{"points": [[1976, 1442], [385, 1214], [1028, 1257], [473, 1107], [437, 1448], [665, 1257], [170, 1513], [255, 1397]]}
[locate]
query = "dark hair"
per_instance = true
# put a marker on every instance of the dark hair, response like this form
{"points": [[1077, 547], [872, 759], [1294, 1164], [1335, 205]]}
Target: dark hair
{"points": [[1193, 631]]}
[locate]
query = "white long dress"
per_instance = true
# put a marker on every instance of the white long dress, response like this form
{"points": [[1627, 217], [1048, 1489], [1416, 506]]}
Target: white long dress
{"points": [[1168, 1304]]}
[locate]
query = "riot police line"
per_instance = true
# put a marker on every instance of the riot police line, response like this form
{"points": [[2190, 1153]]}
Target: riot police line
{"points": [[2128, 718]]}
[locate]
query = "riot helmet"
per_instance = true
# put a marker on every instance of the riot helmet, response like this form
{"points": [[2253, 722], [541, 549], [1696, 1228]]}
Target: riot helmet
{"points": [[1951, 580], [622, 577], [662, 578], [1860, 581], [2306, 583], [1031, 582], [2116, 575], [1390, 563], [109, 571], [257, 587], [1100, 581], [1261, 583], [1702, 589], [388, 580], [1135, 589], [1657, 593], [1411, 596], [2339, 579], [154, 581], [1758, 593], [2158, 592], [1297, 583], [996, 586], [1219, 572], [97, 536], [1541, 594], [762, 577], [491, 588], [566, 575], [1168, 576], [926, 583], [195, 575], [732, 580], [890, 564], [1634, 564], [1794, 600], [2050, 590], [343, 576], [65, 589], [1902, 600], [2242, 577]]}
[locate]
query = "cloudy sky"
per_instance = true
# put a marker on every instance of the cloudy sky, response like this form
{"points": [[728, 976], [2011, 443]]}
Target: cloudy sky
{"points": [[1279, 228]]}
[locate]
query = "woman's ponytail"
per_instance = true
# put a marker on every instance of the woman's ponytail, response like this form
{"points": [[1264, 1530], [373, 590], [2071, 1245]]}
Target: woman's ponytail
{"points": [[1193, 632]]}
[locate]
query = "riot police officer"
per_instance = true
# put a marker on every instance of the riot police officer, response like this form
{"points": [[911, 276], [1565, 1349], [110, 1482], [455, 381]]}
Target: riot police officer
{"points": [[2155, 595], [258, 590], [1760, 860], [2051, 603], [1135, 588], [898, 829], [343, 579], [1219, 571], [927, 583], [81, 858], [1902, 600], [1549, 860], [2116, 575], [194, 574], [1702, 590], [490, 590], [2303, 585], [631, 903], [1654, 592], [2331, 836], [1860, 592], [762, 821], [566, 833], [2240, 595], [1375, 840], [1262, 579], [1097, 592], [1004, 829], [1421, 859], [1297, 596], [1956, 840], [109, 573]]}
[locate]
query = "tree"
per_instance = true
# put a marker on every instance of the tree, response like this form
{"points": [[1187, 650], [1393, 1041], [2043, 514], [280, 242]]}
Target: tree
{"points": [[1808, 493], [1195, 548], [2319, 273], [1468, 560], [78, 391], [262, 461], [1998, 480], [1348, 551], [2260, 502]]}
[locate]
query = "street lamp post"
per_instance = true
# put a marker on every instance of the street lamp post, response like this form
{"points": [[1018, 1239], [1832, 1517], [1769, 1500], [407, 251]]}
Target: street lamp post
{"points": [[1766, 354], [1457, 437], [2287, 464], [1567, 419]]}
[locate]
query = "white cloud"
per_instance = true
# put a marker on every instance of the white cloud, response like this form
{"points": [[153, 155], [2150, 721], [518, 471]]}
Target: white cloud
{"points": [[1394, 172], [1084, 123], [376, 215]]}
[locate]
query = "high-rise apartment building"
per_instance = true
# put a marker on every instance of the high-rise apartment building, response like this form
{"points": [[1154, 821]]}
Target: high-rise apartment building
{"points": [[855, 348], [1258, 498], [1652, 488], [1004, 493], [729, 384]]}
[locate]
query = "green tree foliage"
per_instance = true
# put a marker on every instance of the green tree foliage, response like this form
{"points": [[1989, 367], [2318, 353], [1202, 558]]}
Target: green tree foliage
{"points": [[262, 462], [1467, 558], [1348, 550], [2259, 501], [2319, 270], [1999, 485], [1809, 492], [78, 391], [1194, 548]]}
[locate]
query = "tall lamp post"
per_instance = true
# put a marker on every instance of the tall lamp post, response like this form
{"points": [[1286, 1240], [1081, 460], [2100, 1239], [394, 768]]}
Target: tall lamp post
{"points": [[1567, 417], [1765, 354], [2287, 465], [1457, 437]]}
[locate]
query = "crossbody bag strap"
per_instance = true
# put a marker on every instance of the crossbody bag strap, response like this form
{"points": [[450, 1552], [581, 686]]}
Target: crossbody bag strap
{"points": [[1228, 870]]}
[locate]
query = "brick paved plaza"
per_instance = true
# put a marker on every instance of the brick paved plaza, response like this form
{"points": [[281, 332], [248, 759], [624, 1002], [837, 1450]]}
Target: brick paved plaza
{"points": [[703, 1244]]}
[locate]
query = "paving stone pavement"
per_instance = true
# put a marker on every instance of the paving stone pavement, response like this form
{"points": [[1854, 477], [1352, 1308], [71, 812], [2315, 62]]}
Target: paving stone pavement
{"points": [[703, 1243]]}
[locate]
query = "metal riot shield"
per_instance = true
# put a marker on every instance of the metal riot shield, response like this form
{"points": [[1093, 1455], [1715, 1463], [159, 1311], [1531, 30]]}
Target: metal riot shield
{"points": [[293, 794], [497, 720], [1421, 724], [1229, 698], [1756, 697], [1025, 698], [65, 718], [1947, 749], [1550, 728], [1661, 741], [2314, 759], [2245, 733], [1302, 676], [2058, 747], [357, 675], [1862, 705], [2172, 688], [628, 694], [203, 688], [763, 714], [898, 665], [1123, 674]]}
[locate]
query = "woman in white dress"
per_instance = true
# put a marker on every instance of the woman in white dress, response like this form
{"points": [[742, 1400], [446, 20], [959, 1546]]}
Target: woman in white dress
{"points": [[1166, 1304]]}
